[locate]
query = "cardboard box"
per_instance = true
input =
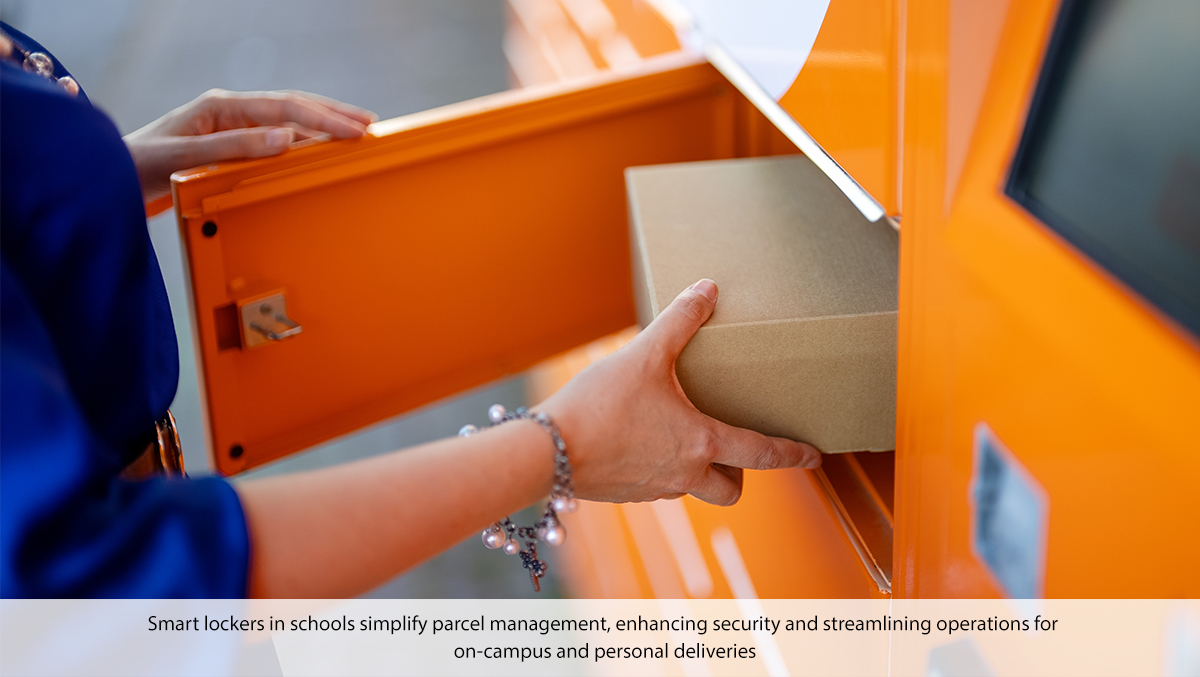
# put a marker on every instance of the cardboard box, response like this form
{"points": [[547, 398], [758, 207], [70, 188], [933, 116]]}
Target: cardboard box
{"points": [[803, 340]]}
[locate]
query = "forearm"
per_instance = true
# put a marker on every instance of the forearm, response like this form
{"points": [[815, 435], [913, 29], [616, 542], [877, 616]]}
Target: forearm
{"points": [[340, 531]]}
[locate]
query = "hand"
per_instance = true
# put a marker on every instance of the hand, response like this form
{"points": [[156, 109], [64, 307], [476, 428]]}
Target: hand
{"points": [[634, 436], [222, 125]]}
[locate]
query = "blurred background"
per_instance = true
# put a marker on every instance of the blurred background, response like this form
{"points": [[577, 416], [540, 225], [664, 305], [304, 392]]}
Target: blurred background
{"points": [[138, 59]]}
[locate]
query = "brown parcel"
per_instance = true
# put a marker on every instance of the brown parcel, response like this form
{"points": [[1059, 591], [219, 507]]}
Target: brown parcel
{"points": [[803, 340]]}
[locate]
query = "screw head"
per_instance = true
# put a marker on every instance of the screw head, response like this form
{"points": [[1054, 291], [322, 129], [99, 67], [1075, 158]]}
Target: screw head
{"points": [[236, 451], [208, 229]]}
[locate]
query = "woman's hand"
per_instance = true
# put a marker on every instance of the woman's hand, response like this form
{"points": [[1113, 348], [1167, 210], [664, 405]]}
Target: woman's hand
{"points": [[222, 125], [634, 436]]}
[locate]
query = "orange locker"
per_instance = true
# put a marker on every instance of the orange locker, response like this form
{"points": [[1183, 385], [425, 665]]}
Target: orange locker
{"points": [[1044, 443], [1019, 345]]}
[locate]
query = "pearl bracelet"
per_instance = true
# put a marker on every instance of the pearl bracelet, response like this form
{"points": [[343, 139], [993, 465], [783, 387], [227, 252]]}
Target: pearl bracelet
{"points": [[503, 534]]}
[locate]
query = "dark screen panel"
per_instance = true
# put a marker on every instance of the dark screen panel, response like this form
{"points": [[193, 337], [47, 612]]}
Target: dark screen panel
{"points": [[1110, 156]]}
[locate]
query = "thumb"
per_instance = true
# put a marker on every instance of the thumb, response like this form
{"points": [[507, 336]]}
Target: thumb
{"points": [[241, 143], [678, 322]]}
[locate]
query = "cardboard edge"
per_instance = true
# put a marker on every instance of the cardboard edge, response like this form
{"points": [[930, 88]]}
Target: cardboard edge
{"points": [[792, 320], [644, 301], [700, 342]]}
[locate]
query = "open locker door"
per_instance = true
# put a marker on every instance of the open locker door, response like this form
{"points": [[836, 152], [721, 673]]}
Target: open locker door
{"points": [[347, 282]]}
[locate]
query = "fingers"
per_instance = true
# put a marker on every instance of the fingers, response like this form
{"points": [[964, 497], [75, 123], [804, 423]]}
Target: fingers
{"points": [[738, 448], [354, 112], [278, 108], [720, 485], [747, 449], [678, 322], [241, 143], [304, 133]]}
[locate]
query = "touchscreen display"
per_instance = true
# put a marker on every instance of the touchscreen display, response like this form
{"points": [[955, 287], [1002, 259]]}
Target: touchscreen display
{"points": [[1110, 156]]}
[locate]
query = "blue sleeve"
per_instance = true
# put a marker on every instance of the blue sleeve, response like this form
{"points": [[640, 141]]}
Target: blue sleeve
{"points": [[88, 361], [68, 526]]}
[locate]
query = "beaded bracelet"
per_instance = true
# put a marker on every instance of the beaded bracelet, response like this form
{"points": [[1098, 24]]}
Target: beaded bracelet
{"points": [[503, 534]]}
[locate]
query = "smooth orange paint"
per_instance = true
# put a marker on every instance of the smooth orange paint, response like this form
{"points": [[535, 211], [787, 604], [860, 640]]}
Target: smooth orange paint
{"points": [[1002, 322], [458, 246], [848, 93]]}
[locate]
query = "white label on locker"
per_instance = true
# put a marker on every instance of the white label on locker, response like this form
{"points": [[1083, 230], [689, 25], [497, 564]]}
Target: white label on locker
{"points": [[1009, 517]]}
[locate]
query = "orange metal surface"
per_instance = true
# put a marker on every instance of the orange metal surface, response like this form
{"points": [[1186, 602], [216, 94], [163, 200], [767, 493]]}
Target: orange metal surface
{"points": [[455, 247], [848, 94], [1002, 322], [785, 530]]}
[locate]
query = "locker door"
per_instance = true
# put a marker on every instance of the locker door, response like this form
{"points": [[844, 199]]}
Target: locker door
{"points": [[343, 283]]}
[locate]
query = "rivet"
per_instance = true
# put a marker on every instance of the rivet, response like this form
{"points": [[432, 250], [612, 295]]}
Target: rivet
{"points": [[209, 229], [236, 451]]}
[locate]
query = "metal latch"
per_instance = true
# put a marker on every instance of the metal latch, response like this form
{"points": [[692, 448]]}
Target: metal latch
{"points": [[266, 319]]}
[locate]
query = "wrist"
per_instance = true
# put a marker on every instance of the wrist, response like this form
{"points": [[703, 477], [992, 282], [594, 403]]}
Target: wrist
{"points": [[523, 540], [525, 459], [570, 428]]}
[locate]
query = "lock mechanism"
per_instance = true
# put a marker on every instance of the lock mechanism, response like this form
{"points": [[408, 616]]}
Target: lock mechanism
{"points": [[265, 319]]}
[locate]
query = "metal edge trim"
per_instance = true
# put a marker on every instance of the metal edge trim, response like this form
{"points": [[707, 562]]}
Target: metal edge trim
{"points": [[769, 107], [864, 554]]}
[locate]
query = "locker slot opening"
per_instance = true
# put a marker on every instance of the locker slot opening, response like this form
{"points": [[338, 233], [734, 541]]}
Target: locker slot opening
{"points": [[861, 487]]}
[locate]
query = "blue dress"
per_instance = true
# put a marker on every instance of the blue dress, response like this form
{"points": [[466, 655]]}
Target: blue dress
{"points": [[88, 361]]}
